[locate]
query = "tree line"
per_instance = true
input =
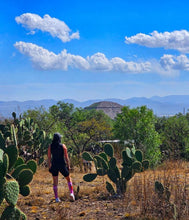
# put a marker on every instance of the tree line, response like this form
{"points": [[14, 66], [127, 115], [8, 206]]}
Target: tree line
{"points": [[160, 138]]}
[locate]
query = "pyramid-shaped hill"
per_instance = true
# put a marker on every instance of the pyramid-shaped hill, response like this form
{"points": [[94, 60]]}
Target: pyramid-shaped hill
{"points": [[109, 108]]}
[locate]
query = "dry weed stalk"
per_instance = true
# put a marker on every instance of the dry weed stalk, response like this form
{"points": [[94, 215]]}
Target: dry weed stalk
{"points": [[174, 177]]}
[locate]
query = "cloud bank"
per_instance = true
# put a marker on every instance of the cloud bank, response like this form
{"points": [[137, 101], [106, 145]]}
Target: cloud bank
{"points": [[177, 40], [55, 27], [47, 60]]}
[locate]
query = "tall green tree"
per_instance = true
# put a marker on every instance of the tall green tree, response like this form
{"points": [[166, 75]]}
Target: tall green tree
{"points": [[138, 125], [81, 127], [175, 137]]}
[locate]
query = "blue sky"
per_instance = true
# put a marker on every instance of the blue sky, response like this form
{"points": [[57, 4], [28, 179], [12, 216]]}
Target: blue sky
{"points": [[93, 49]]}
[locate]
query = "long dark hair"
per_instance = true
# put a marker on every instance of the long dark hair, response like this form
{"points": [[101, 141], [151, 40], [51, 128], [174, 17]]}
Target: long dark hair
{"points": [[56, 139]]}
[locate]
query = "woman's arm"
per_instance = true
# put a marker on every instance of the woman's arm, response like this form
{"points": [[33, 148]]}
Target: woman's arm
{"points": [[49, 156], [66, 156]]}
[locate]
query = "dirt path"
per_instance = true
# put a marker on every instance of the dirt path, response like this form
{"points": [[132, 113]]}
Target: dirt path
{"points": [[92, 201], [80, 209]]}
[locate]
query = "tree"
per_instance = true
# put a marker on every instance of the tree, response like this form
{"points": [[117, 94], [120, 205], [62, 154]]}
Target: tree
{"points": [[81, 127], [42, 118], [138, 125], [175, 137]]}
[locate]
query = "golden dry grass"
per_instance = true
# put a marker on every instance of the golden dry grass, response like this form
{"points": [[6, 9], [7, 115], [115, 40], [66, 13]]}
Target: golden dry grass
{"points": [[93, 202]]}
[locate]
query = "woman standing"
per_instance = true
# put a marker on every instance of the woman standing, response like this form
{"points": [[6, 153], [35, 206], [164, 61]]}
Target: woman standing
{"points": [[58, 161]]}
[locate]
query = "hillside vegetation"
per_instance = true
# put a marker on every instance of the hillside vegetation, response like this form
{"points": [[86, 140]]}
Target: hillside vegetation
{"points": [[140, 164]]}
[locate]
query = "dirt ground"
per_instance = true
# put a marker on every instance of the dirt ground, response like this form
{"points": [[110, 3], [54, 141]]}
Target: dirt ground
{"points": [[93, 201], [80, 209]]}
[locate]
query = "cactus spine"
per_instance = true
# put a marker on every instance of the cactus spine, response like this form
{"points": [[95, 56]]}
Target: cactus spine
{"points": [[106, 164]]}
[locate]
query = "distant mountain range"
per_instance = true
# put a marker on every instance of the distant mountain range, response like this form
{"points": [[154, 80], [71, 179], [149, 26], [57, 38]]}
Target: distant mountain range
{"points": [[167, 105]]}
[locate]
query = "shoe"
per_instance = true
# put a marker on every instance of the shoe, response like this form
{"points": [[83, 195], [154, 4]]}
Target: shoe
{"points": [[72, 197], [57, 200]]}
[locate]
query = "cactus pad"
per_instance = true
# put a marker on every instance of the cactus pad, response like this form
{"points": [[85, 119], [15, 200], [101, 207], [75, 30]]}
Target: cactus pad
{"points": [[139, 155], [133, 150], [13, 135], [112, 175], [137, 166], [2, 142], [108, 149], [104, 156], [25, 190], [18, 169], [101, 162], [112, 162], [110, 188], [126, 160], [25, 177], [19, 161], [12, 152], [1, 154], [32, 165], [89, 177], [6, 162], [128, 152], [11, 213], [87, 156], [11, 191]]}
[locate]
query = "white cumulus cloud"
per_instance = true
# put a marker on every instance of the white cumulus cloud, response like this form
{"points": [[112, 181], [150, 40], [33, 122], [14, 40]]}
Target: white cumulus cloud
{"points": [[47, 60], [177, 40], [123, 66], [98, 61], [169, 62], [54, 26]]}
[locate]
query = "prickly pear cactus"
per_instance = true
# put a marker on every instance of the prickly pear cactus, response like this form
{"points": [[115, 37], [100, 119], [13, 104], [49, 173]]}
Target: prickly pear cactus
{"points": [[106, 164], [164, 201], [11, 213], [27, 133], [15, 175]]}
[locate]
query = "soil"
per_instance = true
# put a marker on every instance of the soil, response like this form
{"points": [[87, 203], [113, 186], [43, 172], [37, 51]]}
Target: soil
{"points": [[80, 209], [92, 202]]}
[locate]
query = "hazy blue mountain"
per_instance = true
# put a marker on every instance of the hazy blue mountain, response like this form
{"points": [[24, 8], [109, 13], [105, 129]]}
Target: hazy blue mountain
{"points": [[159, 108], [6, 108], [167, 105], [175, 99]]}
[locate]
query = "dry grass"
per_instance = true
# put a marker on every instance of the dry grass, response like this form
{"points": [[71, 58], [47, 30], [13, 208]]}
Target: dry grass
{"points": [[140, 201]]}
